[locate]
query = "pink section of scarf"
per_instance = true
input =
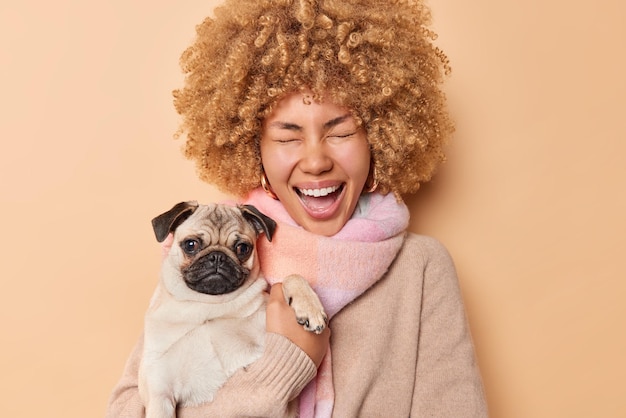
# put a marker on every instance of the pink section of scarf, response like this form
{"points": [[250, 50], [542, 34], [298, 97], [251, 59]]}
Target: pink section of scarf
{"points": [[339, 268]]}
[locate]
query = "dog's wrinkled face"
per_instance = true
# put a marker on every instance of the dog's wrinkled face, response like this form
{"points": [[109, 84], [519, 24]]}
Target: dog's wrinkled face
{"points": [[213, 252], [217, 255]]}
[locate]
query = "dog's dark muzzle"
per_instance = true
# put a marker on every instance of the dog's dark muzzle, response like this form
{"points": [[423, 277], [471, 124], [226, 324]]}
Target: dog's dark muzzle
{"points": [[214, 273]]}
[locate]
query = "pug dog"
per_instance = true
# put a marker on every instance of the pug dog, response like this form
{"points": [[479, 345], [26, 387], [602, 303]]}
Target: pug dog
{"points": [[206, 318]]}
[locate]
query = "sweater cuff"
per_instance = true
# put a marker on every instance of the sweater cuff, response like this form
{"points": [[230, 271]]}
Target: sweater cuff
{"points": [[284, 367]]}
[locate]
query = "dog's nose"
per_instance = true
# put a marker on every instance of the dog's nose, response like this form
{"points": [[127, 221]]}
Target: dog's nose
{"points": [[217, 258]]}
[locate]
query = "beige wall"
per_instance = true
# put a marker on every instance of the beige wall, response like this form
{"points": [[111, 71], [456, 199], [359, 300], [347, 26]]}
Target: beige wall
{"points": [[531, 202]]}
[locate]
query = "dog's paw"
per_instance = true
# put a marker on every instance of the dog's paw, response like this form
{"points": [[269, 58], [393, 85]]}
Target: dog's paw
{"points": [[312, 319], [305, 303]]}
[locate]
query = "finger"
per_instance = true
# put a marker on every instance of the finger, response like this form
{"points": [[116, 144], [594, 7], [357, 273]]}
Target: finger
{"points": [[276, 293]]}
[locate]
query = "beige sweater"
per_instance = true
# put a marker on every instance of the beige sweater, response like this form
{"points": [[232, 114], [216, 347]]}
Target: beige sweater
{"points": [[401, 349]]}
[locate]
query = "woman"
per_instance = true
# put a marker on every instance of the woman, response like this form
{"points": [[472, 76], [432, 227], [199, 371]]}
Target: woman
{"points": [[335, 110]]}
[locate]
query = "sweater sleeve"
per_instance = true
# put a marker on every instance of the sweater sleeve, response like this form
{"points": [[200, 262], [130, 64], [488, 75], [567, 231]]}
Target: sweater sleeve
{"points": [[448, 382], [267, 387]]}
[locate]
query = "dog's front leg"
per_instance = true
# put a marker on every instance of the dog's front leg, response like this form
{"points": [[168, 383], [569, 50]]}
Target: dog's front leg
{"points": [[157, 397], [305, 303], [160, 407]]}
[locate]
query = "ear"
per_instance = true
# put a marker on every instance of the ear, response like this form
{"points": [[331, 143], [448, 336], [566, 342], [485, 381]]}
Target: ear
{"points": [[168, 222], [259, 221]]}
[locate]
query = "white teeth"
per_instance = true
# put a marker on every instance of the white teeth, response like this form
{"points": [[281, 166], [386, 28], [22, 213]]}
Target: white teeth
{"points": [[319, 192]]}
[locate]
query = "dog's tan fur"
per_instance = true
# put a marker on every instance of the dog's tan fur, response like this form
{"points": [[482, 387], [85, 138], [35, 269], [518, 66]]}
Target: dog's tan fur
{"points": [[194, 341]]}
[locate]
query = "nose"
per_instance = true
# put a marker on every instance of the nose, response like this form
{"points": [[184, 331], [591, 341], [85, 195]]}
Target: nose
{"points": [[216, 258], [316, 159]]}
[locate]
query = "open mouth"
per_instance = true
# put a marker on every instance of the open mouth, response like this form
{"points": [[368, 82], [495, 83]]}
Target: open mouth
{"points": [[319, 200]]}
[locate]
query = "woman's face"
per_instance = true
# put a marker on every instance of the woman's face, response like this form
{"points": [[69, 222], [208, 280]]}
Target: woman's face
{"points": [[316, 160]]}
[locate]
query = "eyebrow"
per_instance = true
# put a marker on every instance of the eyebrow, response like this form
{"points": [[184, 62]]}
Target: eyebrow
{"points": [[286, 125], [294, 127], [337, 121]]}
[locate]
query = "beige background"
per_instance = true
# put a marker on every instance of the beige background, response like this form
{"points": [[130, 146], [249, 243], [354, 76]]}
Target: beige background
{"points": [[531, 202]]}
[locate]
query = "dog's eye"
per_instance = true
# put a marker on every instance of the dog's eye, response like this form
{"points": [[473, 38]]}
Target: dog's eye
{"points": [[190, 246], [243, 250]]}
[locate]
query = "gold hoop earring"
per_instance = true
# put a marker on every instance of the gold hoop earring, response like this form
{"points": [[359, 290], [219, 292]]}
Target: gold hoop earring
{"points": [[374, 184], [265, 184]]}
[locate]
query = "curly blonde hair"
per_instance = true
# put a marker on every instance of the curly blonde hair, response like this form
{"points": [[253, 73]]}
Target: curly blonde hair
{"points": [[375, 57]]}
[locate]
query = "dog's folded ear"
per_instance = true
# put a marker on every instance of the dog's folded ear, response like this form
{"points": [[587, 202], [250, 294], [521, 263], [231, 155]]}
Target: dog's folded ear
{"points": [[260, 221], [168, 222]]}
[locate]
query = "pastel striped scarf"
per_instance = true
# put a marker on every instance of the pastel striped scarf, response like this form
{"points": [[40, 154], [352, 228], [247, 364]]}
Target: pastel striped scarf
{"points": [[339, 268]]}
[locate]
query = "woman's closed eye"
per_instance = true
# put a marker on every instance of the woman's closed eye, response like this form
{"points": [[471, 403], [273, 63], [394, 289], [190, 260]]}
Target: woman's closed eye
{"points": [[342, 135], [286, 140]]}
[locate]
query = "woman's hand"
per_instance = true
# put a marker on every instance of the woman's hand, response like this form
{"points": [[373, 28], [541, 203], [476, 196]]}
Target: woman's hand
{"points": [[281, 319]]}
